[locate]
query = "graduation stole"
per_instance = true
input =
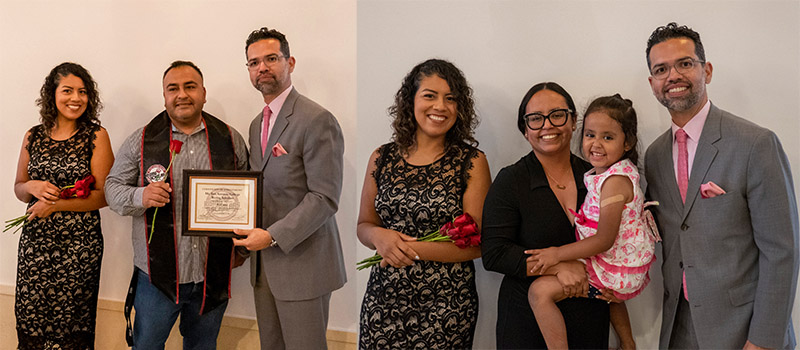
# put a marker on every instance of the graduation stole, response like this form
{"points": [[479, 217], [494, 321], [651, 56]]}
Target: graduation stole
{"points": [[162, 251]]}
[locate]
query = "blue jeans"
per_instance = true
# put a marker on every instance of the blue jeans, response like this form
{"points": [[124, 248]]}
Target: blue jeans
{"points": [[156, 314]]}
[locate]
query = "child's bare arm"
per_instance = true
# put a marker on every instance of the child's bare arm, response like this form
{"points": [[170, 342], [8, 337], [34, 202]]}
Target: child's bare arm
{"points": [[607, 227]]}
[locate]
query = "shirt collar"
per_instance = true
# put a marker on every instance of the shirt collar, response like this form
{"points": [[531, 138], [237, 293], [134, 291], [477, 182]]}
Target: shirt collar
{"points": [[200, 127], [276, 104], [695, 125]]}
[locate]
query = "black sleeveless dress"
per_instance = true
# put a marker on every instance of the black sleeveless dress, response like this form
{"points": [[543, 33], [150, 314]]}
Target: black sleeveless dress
{"points": [[58, 270], [429, 305]]}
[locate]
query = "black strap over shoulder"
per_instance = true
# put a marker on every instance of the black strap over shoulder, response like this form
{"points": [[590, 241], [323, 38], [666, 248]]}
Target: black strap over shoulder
{"points": [[162, 248]]}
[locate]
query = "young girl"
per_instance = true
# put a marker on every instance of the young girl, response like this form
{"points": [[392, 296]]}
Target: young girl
{"points": [[610, 227]]}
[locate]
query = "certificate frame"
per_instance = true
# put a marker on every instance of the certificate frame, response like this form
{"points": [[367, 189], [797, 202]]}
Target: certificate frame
{"points": [[215, 202]]}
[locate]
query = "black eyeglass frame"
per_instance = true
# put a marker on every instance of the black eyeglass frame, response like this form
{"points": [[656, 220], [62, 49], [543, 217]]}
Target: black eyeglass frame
{"points": [[526, 117]]}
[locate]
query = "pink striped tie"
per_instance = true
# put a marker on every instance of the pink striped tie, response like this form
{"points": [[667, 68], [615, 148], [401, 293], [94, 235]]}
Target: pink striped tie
{"points": [[683, 179], [265, 129]]}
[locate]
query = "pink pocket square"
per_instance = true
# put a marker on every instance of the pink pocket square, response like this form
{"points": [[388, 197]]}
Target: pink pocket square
{"points": [[278, 150], [710, 190]]}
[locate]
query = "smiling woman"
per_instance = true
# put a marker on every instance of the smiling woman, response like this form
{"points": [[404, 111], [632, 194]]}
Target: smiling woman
{"points": [[528, 207], [430, 174], [61, 246]]}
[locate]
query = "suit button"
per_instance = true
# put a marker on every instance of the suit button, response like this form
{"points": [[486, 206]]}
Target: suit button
{"points": [[684, 227], [680, 264]]}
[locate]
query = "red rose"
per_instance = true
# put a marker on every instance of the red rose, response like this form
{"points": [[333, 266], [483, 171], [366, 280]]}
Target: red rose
{"points": [[463, 220], [67, 193], [83, 187], [446, 229], [175, 146], [470, 230], [475, 240]]}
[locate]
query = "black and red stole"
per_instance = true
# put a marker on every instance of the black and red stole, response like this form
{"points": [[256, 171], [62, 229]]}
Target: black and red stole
{"points": [[162, 250]]}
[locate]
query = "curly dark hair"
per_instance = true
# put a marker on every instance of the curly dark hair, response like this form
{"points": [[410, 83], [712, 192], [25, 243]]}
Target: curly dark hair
{"points": [[621, 110], [47, 100], [266, 33], [404, 125], [672, 31], [554, 87]]}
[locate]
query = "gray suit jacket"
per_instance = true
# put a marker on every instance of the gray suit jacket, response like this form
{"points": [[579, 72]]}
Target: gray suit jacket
{"points": [[740, 249], [301, 195]]}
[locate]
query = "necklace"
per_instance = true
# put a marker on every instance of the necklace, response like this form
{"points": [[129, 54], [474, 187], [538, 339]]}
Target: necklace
{"points": [[558, 185]]}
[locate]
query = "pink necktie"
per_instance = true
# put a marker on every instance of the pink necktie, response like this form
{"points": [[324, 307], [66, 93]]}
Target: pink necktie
{"points": [[683, 179], [683, 163], [265, 129]]}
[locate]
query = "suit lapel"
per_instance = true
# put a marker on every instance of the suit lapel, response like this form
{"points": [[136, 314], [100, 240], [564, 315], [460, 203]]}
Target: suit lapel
{"points": [[255, 138], [666, 170], [704, 156], [281, 122]]}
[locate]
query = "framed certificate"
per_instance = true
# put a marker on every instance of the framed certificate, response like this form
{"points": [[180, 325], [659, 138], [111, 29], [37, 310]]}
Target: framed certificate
{"points": [[215, 202]]}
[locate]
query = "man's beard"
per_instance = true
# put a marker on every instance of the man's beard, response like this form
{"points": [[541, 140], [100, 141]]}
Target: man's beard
{"points": [[268, 87], [680, 104]]}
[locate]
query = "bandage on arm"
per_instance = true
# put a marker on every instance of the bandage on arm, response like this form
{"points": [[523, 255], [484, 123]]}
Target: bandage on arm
{"points": [[611, 200]]}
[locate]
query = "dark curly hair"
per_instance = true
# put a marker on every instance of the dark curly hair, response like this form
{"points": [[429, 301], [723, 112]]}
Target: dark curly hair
{"points": [[404, 125], [621, 110], [672, 31], [554, 87], [266, 33], [47, 96]]}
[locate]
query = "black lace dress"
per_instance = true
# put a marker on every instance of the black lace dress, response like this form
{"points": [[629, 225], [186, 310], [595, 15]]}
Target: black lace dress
{"points": [[58, 271], [429, 305]]}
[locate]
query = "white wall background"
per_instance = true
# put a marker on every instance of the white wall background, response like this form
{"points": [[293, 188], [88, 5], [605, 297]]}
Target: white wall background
{"points": [[592, 48], [127, 45]]}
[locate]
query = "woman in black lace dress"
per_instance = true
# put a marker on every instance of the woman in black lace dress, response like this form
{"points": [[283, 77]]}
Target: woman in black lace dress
{"points": [[61, 247], [423, 294]]}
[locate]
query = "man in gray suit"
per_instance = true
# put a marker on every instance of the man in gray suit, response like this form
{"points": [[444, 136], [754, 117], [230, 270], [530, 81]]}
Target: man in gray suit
{"points": [[297, 256], [728, 214]]}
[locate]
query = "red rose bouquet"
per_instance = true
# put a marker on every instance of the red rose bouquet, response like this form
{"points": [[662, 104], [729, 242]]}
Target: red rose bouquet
{"points": [[80, 189], [462, 231]]}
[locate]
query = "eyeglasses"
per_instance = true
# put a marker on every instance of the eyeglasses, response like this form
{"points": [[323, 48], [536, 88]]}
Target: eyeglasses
{"points": [[558, 117], [270, 60], [683, 66]]}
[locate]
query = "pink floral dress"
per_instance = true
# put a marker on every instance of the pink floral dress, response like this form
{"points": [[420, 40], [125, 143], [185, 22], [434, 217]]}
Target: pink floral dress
{"points": [[623, 268]]}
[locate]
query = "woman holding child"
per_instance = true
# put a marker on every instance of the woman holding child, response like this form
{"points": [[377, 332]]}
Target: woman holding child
{"points": [[528, 207]]}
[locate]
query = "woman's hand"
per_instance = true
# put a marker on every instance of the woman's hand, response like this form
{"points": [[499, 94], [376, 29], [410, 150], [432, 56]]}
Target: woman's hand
{"points": [[43, 190], [41, 209], [542, 259], [392, 246]]}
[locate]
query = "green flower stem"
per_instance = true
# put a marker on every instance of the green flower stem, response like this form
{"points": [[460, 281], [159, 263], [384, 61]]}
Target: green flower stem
{"points": [[434, 236], [153, 224], [18, 222]]}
